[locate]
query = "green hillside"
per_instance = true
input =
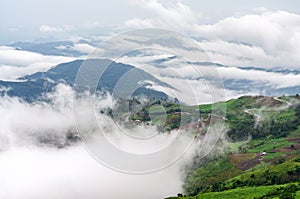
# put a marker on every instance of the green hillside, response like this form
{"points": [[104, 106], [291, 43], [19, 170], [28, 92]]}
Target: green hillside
{"points": [[260, 192], [268, 166], [264, 166]]}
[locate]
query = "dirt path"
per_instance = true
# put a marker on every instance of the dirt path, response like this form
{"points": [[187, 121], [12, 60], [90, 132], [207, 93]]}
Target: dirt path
{"points": [[258, 117], [288, 104]]}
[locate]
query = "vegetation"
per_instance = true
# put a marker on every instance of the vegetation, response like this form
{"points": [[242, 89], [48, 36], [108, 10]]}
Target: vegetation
{"points": [[275, 191], [265, 167], [262, 158], [209, 176]]}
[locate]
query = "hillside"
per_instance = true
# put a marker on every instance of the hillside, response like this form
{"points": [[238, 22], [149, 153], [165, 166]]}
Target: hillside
{"points": [[262, 154], [32, 87], [267, 166]]}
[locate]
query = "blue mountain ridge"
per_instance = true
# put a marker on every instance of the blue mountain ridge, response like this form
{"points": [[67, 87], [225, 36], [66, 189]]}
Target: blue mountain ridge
{"points": [[32, 87]]}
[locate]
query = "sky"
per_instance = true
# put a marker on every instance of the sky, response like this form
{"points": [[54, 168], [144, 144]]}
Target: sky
{"points": [[61, 19]]}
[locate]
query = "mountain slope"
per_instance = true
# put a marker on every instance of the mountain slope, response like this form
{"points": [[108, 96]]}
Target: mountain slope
{"points": [[33, 86], [267, 166]]}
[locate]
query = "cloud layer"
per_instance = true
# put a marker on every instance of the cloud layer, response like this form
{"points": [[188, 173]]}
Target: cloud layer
{"points": [[16, 63], [29, 169], [259, 37]]}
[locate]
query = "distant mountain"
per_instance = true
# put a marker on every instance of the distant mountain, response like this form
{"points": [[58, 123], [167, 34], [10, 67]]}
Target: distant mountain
{"points": [[241, 86], [32, 87], [275, 70], [66, 48], [58, 48]]}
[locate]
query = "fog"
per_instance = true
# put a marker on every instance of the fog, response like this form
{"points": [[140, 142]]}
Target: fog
{"points": [[32, 168], [30, 173]]}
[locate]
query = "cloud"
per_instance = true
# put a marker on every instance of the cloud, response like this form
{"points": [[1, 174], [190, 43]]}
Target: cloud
{"points": [[196, 82], [273, 31], [175, 15], [52, 29], [41, 171], [138, 23], [12, 73], [73, 173], [17, 63], [192, 85], [19, 123], [83, 48], [46, 28], [274, 79], [260, 37], [265, 39]]}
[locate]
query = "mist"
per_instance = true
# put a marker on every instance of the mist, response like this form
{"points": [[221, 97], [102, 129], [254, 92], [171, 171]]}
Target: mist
{"points": [[73, 173], [38, 161]]}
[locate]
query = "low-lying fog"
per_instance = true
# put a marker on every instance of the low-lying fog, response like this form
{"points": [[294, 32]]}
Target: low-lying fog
{"points": [[33, 166]]}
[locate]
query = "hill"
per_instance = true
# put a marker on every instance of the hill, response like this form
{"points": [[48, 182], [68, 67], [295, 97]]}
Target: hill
{"points": [[262, 154], [266, 166], [32, 87]]}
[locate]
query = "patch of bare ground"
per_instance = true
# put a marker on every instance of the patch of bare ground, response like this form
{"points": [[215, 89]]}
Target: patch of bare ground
{"points": [[296, 140], [266, 101], [286, 157], [288, 149], [245, 161]]}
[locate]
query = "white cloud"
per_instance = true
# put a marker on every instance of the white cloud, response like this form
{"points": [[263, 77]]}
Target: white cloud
{"points": [[278, 80], [83, 48], [11, 73], [190, 83], [73, 173], [17, 63], [274, 38], [46, 28], [261, 37], [175, 15], [138, 23], [194, 82], [31, 171], [238, 54]]}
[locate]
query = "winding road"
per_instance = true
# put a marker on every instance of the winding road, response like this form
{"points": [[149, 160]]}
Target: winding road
{"points": [[259, 117]]}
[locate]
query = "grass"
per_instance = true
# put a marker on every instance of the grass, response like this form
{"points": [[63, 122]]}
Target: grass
{"points": [[245, 193], [249, 192], [240, 103], [234, 147], [267, 145], [223, 170], [215, 171], [235, 159], [298, 194], [273, 155], [262, 176], [295, 133]]}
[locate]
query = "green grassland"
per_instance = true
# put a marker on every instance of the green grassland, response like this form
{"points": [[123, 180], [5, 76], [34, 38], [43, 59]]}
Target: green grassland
{"points": [[248, 193]]}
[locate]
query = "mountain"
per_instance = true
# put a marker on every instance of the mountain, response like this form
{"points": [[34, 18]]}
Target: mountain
{"points": [[33, 86], [255, 82], [58, 48], [258, 158]]}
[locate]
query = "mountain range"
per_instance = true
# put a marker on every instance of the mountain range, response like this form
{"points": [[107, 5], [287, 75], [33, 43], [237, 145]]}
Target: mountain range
{"points": [[32, 87]]}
